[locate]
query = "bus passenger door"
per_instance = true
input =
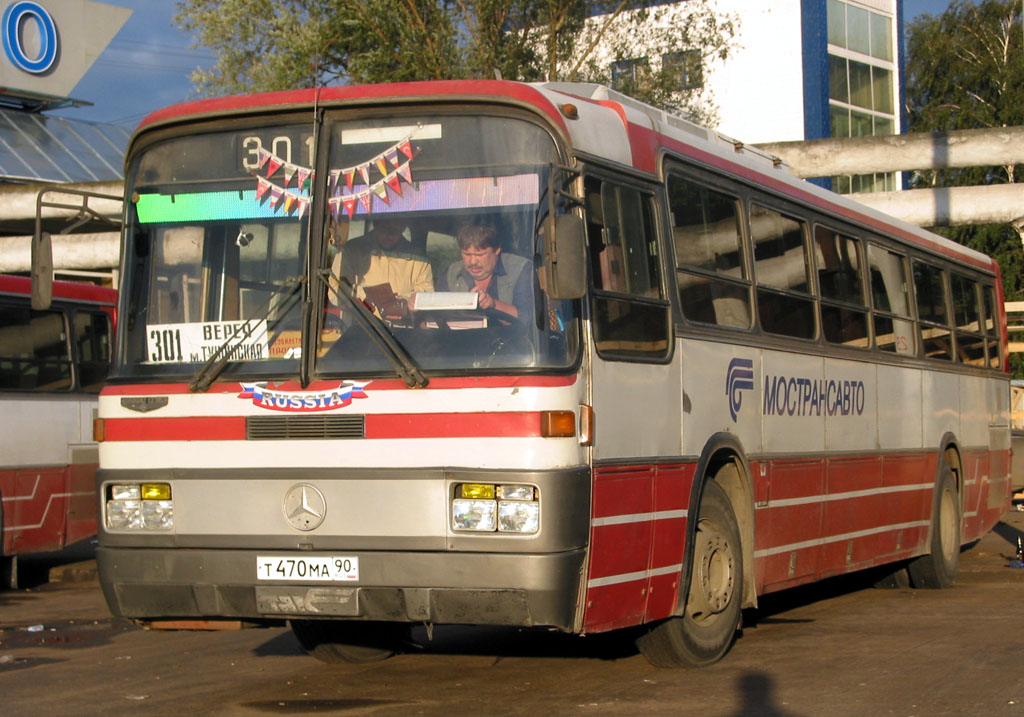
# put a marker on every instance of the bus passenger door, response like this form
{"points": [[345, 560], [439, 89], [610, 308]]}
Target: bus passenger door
{"points": [[635, 395]]}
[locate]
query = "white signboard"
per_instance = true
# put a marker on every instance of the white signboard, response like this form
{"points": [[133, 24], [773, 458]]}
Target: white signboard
{"points": [[191, 343]]}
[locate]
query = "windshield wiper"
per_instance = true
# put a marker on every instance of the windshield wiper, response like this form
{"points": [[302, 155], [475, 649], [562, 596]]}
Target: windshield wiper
{"points": [[381, 335], [213, 366]]}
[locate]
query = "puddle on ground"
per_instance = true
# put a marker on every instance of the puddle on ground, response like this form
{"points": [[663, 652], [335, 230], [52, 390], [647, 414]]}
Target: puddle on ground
{"points": [[306, 706], [64, 634], [10, 663]]}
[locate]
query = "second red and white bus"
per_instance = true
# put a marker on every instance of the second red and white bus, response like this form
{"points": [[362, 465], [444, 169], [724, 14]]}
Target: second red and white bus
{"points": [[723, 382], [52, 365]]}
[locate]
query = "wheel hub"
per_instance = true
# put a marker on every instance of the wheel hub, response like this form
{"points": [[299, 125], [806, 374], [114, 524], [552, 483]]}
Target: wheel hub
{"points": [[714, 580]]}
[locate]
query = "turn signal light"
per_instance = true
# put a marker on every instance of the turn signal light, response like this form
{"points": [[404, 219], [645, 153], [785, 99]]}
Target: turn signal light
{"points": [[558, 424], [98, 430]]}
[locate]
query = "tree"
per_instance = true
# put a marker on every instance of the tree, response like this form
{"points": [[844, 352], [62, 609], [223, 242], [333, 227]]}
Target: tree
{"points": [[282, 44], [965, 70]]}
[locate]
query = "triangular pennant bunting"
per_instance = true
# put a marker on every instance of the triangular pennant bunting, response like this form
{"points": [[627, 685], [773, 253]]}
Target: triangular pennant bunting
{"points": [[262, 186]]}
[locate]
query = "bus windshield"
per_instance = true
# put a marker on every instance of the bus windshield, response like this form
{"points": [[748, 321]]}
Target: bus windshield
{"points": [[430, 224]]}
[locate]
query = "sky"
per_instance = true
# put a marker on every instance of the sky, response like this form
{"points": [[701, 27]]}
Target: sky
{"points": [[148, 63], [145, 67]]}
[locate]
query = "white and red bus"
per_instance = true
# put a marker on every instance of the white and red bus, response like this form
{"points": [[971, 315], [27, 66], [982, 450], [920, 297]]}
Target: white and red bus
{"points": [[52, 365], [720, 381]]}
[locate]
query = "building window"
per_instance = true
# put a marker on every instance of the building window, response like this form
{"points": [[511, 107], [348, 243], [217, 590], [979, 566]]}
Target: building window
{"points": [[625, 74], [862, 85], [686, 67]]}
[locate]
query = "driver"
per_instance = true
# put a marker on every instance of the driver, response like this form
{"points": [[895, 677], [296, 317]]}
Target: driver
{"points": [[504, 281]]}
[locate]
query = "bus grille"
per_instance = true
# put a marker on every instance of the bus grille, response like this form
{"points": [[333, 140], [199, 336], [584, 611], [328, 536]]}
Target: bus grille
{"points": [[279, 428]]}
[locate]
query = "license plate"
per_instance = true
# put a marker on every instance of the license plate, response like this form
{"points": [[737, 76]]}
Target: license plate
{"points": [[339, 568]]}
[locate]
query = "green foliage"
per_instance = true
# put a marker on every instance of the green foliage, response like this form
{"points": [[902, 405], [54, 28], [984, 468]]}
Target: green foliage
{"points": [[965, 70], [965, 67], [282, 44]]}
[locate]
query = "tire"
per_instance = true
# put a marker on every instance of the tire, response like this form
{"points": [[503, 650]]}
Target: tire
{"points": [[938, 568], [704, 632], [353, 641], [893, 578]]}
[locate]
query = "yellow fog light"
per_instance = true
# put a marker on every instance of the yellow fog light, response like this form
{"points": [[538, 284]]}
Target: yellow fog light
{"points": [[156, 491], [477, 491]]}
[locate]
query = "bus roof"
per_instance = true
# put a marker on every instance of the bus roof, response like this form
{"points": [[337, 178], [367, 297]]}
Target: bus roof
{"points": [[607, 125]]}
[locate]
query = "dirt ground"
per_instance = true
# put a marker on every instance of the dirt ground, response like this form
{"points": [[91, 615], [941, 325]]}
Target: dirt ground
{"points": [[837, 648]]}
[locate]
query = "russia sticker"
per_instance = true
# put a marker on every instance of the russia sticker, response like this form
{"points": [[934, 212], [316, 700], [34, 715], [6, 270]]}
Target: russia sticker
{"points": [[303, 401]]}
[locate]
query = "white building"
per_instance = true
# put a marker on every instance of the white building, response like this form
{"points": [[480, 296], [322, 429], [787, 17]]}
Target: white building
{"points": [[808, 69]]}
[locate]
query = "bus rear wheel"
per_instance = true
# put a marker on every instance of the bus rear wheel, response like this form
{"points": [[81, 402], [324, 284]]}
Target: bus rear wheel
{"points": [[353, 641], [707, 627], [938, 568]]}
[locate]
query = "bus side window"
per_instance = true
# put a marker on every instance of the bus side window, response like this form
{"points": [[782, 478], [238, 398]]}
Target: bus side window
{"points": [[631, 315], [894, 330], [932, 312], [844, 315], [785, 305], [33, 350], [970, 344], [92, 339], [992, 333], [713, 284]]}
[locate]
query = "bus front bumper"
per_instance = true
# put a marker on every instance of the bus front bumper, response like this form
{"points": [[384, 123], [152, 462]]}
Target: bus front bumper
{"points": [[440, 588]]}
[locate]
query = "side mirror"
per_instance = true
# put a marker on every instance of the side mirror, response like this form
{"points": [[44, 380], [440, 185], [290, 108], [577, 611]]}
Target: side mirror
{"points": [[42, 271], [565, 274]]}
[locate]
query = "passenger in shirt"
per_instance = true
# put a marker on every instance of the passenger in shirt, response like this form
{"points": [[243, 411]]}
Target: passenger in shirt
{"points": [[383, 256], [503, 281]]}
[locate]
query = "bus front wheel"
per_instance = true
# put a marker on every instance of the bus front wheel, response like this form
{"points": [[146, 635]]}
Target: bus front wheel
{"points": [[938, 568], [707, 627], [354, 641]]}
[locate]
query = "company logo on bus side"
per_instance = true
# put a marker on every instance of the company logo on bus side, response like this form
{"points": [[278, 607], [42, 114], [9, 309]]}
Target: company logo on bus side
{"points": [[303, 401], [739, 377], [794, 395]]}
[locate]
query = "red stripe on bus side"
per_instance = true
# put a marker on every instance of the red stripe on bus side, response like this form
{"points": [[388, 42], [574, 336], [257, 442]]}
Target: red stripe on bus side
{"points": [[453, 425], [636, 545]]}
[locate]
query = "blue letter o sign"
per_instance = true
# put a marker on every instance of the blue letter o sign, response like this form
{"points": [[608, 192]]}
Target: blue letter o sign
{"points": [[14, 18]]}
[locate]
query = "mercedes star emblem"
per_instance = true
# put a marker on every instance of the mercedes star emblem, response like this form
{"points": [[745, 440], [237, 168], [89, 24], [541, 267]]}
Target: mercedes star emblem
{"points": [[304, 507]]}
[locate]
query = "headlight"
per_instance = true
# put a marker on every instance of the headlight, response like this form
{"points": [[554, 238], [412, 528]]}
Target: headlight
{"points": [[474, 514], [518, 517], [139, 507], [124, 514], [482, 507]]}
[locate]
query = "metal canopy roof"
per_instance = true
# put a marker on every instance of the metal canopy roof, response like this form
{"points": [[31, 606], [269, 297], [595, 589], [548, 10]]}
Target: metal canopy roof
{"points": [[41, 148]]}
